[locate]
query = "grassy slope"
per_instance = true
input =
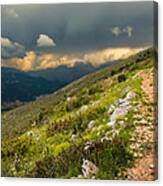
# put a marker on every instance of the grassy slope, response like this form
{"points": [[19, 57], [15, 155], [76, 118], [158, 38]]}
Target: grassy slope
{"points": [[36, 138]]}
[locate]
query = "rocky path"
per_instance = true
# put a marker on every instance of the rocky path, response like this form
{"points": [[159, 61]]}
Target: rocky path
{"points": [[144, 139], [148, 85]]}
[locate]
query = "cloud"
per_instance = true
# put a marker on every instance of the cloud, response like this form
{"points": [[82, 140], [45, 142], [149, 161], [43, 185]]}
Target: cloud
{"points": [[11, 13], [45, 41], [33, 61], [109, 54], [78, 30], [128, 30], [11, 49], [118, 31]]}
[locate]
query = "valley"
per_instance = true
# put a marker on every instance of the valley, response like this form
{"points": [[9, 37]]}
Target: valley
{"points": [[101, 126]]}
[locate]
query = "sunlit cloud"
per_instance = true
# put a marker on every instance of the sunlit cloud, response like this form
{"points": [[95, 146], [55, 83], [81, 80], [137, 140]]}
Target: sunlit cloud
{"points": [[45, 41], [33, 61], [110, 54]]}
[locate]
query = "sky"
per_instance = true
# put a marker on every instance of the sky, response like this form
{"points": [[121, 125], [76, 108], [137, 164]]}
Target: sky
{"points": [[75, 28]]}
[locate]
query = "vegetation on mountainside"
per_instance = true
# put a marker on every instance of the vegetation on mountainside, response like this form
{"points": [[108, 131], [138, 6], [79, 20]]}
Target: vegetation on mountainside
{"points": [[51, 137]]}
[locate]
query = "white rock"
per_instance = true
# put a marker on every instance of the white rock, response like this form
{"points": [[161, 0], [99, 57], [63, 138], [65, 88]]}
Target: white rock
{"points": [[111, 109], [125, 119], [121, 122], [74, 137], [94, 128], [151, 166], [89, 169], [137, 116], [88, 144], [86, 148], [136, 110], [111, 123], [68, 98], [115, 133], [143, 122], [30, 133], [120, 111], [108, 133], [80, 176], [135, 155], [84, 108], [91, 124], [121, 100], [117, 102], [104, 139], [124, 104], [130, 95]]}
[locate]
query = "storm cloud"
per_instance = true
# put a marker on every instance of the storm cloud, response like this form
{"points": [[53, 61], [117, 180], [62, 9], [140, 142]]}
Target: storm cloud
{"points": [[80, 27], [11, 49]]}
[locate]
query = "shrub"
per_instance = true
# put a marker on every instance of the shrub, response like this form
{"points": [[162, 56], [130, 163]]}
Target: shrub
{"points": [[113, 72], [94, 89], [121, 78]]}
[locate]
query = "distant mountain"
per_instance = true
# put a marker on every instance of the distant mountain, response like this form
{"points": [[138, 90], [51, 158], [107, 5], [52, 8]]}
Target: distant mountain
{"points": [[65, 74], [18, 86]]}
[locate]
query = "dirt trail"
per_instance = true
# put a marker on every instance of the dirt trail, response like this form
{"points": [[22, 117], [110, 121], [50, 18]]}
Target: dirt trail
{"points": [[145, 167], [148, 85]]}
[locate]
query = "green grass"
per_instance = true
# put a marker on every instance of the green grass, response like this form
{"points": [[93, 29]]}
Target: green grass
{"points": [[39, 133]]}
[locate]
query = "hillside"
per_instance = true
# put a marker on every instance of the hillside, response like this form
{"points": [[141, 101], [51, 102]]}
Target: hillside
{"points": [[26, 88], [99, 127], [65, 74]]}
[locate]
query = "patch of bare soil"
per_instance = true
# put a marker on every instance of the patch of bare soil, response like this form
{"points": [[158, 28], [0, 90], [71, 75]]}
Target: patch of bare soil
{"points": [[144, 169], [148, 85], [145, 166]]}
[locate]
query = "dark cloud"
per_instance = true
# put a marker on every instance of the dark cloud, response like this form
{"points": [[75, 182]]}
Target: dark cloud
{"points": [[11, 49], [79, 27]]}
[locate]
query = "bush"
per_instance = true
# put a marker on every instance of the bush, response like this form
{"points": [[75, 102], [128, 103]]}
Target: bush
{"points": [[113, 72], [94, 89], [77, 102], [121, 78]]}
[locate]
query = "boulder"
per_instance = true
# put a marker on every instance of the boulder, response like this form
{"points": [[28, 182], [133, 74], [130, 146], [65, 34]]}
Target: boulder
{"points": [[89, 169]]}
